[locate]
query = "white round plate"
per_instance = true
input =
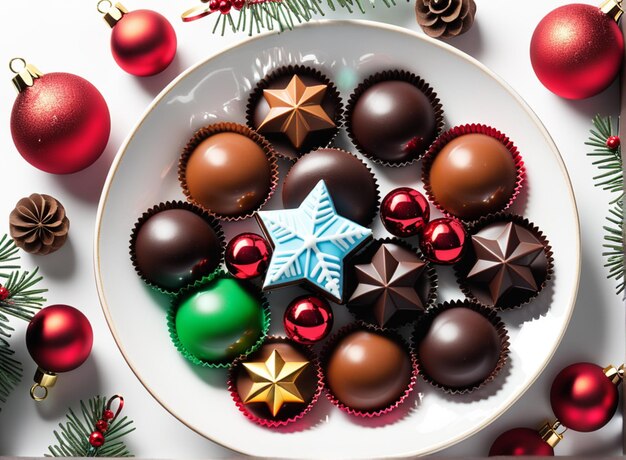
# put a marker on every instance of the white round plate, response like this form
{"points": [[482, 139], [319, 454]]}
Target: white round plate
{"points": [[144, 173]]}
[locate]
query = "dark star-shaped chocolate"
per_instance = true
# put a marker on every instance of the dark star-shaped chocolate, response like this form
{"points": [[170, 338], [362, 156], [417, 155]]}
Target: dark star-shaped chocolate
{"points": [[392, 288]]}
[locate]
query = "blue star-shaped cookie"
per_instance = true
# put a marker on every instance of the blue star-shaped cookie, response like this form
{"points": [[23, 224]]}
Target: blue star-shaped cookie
{"points": [[310, 243]]}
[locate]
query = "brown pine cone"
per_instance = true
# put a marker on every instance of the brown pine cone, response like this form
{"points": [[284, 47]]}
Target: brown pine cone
{"points": [[38, 224], [445, 18]]}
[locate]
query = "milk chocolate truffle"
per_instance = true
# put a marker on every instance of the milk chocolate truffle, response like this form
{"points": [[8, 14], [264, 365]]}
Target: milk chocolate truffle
{"points": [[175, 244], [350, 182], [473, 175], [367, 371]]}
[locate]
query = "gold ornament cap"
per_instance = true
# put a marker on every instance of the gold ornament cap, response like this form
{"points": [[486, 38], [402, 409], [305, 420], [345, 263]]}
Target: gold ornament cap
{"points": [[25, 74], [612, 8], [43, 381], [112, 13], [549, 433], [614, 374]]}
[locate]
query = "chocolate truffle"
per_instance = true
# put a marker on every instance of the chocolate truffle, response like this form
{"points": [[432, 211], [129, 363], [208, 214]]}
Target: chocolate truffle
{"points": [[460, 348], [228, 173], [367, 371], [506, 265], [393, 121], [297, 109], [472, 175], [176, 246], [350, 182]]}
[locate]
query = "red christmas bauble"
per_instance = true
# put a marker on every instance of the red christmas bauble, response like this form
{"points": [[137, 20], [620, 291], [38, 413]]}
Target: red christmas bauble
{"points": [[583, 398], [576, 51], [143, 43], [247, 255], [404, 212], [96, 439], [61, 123], [613, 142], [443, 240], [59, 338], [102, 426], [4, 293], [520, 441], [308, 319]]}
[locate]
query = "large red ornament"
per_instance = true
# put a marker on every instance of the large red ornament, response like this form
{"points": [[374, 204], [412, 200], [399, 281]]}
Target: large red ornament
{"points": [[308, 319], [583, 398], [404, 212], [60, 122], [520, 441], [576, 50], [443, 240], [247, 255], [143, 42]]}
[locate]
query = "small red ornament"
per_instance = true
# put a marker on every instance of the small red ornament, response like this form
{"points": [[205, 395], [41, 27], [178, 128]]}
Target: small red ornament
{"points": [[308, 319], [526, 441], [247, 255], [613, 142], [102, 426], [60, 122], [583, 397], [96, 439], [143, 42], [4, 293], [404, 212], [107, 414], [576, 50], [443, 240]]}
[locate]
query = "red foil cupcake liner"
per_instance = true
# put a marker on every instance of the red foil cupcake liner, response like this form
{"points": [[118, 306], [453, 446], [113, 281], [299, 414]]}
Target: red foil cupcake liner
{"points": [[489, 313], [461, 130], [225, 127], [358, 326], [274, 423], [461, 269], [214, 223], [397, 75]]}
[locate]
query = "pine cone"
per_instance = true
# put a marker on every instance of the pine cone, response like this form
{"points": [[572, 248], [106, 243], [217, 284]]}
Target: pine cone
{"points": [[445, 18], [38, 224]]}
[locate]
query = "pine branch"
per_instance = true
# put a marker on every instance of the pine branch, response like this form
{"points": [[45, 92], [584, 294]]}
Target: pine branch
{"points": [[10, 369], [73, 436], [24, 299], [8, 254]]}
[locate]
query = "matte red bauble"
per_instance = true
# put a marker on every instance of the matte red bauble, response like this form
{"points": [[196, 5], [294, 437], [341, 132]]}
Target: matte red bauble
{"points": [[60, 122], [143, 42], [443, 240], [247, 255], [583, 398], [520, 441], [404, 212], [308, 319], [576, 50]]}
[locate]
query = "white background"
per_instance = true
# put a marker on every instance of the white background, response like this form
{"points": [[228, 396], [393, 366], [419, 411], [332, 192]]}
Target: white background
{"points": [[69, 36]]}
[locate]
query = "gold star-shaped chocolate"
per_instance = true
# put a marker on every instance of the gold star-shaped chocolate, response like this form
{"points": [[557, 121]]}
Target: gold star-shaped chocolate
{"points": [[296, 111], [274, 382]]}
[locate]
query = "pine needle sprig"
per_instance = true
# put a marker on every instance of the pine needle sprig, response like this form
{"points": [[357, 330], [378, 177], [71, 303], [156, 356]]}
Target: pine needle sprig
{"points": [[8, 254], [24, 299], [10, 369]]}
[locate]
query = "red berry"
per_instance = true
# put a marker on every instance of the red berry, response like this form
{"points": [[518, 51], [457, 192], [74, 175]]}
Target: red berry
{"points": [[102, 426], [108, 414], [613, 142], [239, 4], [225, 6], [4, 293], [96, 439], [214, 5]]}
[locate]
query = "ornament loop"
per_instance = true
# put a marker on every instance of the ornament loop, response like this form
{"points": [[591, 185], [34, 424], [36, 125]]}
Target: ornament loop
{"points": [[195, 13], [34, 390], [100, 4], [120, 405], [12, 64]]}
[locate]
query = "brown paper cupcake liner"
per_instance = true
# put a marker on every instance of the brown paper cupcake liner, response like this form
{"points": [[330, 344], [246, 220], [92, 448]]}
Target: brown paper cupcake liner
{"points": [[214, 223], [462, 267], [365, 256], [461, 130], [489, 313], [208, 131], [397, 75], [356, 326], [277, 422], [171, 321], [281, 144]]}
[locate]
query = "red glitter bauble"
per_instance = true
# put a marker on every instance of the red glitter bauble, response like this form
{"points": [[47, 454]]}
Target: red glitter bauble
{"points": [[59, 338], [576, 51], [404, 212], [308, 319], [143, 43], [61, 123], [520, 441], [96, 439], [102, 426], [583, 398], [247, 255], [443, 240]]}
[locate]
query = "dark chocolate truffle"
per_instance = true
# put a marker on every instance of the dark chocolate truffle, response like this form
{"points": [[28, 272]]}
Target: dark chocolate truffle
{"points": [[393, 121], [174, 247], [506, 265], [367, 371], [229, 174], [473, 175], [460, 349], [351, 184]]}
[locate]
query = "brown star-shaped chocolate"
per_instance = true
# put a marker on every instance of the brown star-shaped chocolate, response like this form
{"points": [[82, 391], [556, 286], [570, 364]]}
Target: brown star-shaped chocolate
{"points": [[392, 288], [513, 260], [296, 111]]}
